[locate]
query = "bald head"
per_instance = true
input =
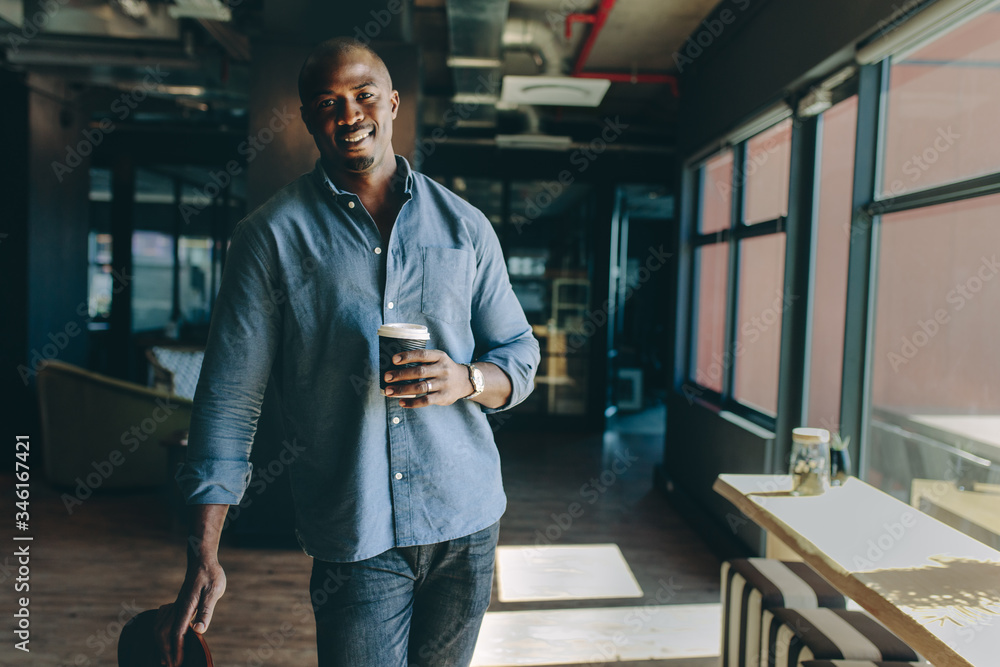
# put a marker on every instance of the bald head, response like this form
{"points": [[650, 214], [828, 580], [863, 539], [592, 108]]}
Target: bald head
{"points": [[334, 51]]}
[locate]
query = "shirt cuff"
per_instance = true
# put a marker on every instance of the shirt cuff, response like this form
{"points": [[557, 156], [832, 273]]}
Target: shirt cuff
{"points": [[522, 377], [213, 482]]}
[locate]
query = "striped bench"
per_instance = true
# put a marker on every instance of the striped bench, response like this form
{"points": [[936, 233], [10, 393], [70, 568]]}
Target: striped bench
{"points": [[751, 585], [791, 637]]}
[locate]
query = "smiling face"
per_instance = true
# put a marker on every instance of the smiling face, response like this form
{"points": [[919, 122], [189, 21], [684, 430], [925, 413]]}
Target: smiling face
{"points": [[348, 106]]}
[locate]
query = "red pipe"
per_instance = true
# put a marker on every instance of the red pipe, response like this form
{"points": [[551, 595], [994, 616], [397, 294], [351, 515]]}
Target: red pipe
{"points": [[598, 20], [574, 18], [621, 77]]}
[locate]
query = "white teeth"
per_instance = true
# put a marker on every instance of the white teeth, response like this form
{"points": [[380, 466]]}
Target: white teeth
{"points": [[356, 137]]}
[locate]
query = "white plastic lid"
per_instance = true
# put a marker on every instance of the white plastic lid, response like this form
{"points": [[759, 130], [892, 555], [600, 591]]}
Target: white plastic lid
{"points": [[810, 435], [402, 330]]}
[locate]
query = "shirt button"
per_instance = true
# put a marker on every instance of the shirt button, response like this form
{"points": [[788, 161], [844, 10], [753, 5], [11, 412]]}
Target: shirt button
{"points": [[395, 420], [350, 204], [399, 475], [378, 251], [390, 305]]}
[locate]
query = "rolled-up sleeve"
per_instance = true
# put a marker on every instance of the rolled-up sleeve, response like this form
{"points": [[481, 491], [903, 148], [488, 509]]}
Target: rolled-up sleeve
{"points": [[242, 343], [503, 335]]}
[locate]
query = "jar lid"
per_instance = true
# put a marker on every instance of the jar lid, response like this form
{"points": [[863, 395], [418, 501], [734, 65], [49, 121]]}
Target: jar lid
{"points": [[810, 435]]}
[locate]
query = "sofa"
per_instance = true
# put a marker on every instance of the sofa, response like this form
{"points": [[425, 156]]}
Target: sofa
{"points": [[101, 432]]}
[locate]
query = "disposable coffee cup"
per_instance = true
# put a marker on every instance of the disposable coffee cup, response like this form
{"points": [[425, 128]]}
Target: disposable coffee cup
{"points": [[393, 339]]}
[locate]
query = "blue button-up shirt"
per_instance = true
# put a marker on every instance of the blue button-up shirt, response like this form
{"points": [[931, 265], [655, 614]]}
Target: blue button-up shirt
{"points": [[308, 280]]}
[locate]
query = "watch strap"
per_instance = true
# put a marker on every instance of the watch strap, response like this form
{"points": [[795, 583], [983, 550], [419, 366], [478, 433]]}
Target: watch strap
{"points": [[477, 389]]}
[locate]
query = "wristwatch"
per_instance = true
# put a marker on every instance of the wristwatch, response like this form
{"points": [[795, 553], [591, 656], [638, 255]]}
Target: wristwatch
{"points": [[477, 379]]}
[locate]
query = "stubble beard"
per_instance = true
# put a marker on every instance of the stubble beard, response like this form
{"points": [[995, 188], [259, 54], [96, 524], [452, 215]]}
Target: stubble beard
{"points": [[362, 163]]}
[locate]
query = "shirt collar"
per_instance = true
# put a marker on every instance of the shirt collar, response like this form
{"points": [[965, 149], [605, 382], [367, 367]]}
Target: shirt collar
{"points": [[402, 169]]}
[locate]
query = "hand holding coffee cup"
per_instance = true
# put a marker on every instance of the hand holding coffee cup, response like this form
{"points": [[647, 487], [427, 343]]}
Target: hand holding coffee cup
{"points": [[393, 339], [431, 377]]}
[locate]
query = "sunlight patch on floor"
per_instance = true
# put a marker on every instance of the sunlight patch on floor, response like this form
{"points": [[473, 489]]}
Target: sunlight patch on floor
{"points": [[567, 636], [571, 572]]}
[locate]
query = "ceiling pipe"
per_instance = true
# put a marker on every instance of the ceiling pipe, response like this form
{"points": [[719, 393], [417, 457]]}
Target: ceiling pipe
{"points": [[598, 20], [650, 149], [578, 18], [536, 38], [475, 57]]}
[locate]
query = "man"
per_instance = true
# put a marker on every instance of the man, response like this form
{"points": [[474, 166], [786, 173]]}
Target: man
{"points": [[397, 499]]}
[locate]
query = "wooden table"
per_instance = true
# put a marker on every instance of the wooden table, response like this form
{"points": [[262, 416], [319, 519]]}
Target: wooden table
{"points": [[936, 588]]}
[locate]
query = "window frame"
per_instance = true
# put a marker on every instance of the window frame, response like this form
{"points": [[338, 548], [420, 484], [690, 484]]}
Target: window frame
{"points": [[737, 231], [869, 80], [843, 92], [796, 345], [869, 208]]}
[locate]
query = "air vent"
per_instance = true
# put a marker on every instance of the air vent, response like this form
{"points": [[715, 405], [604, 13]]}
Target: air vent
{"points": [[554, 90]]}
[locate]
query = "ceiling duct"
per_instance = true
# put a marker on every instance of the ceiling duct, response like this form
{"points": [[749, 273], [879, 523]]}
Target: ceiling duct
{"points": [[83, 52], [212, 10], [538, 39], [475, 31], [101, 18]]}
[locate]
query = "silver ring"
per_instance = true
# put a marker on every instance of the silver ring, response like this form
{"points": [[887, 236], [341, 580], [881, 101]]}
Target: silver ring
{"points": [[428, 386]]}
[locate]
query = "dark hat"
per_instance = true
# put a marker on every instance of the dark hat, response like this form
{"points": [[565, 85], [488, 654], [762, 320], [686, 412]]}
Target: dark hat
{"points": [[138, 645]]}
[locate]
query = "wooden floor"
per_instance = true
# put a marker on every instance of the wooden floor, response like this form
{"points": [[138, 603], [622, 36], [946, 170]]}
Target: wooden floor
{"points": [[116, 555]]}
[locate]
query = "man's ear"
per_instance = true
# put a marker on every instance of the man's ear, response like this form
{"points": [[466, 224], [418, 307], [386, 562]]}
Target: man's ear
{"points": [[304, 114], [394, 103]]}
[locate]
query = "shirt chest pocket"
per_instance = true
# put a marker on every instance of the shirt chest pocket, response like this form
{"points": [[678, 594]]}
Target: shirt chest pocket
{"points": [[446, 292]]}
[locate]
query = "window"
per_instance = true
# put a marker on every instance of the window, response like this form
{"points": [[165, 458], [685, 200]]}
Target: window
{"points": [[760, 285], [758, 334], [712, 270], [938, 306], [711, 267], [746, 370], [942, 109], [164, 292], [716, 193], [152, 264], [907, 281], [153, 250], [838, 127], [100, 278], [933, 427], [100, 283], [768, 157], [195, 257], [935, 405]]}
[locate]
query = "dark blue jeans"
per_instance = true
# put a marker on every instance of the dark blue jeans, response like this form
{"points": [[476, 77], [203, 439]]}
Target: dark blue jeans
{"points": [[406, 607]]}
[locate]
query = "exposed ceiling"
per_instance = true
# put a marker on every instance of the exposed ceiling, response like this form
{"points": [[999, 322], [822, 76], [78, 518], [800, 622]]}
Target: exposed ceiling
{"points": [[639, 34], [643, 34], [106, 44]]}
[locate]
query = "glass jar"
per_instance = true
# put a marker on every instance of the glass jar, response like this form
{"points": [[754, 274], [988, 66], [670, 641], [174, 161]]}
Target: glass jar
{"points": [[810, 461]]}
